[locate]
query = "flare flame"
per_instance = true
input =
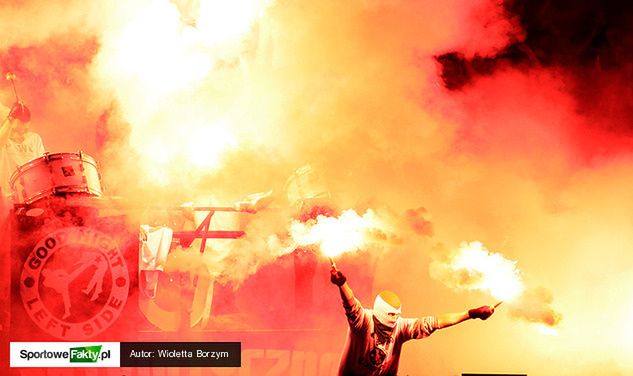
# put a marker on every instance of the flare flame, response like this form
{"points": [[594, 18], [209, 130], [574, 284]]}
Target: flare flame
{"points": [[337, 235], [473, 267]]}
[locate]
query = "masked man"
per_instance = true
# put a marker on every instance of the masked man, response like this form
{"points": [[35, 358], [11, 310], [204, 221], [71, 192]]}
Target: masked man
{"points": [[375, 336]]}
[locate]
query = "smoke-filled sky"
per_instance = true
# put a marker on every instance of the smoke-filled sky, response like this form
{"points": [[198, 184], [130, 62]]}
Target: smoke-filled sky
{"points": [[503, 122]]}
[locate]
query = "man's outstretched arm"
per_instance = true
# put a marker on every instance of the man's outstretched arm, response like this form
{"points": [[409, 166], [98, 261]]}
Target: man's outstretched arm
{"points": [[449, 319]]}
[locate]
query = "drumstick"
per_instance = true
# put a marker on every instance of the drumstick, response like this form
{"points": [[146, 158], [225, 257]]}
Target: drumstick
{"points": [[11, 77]]}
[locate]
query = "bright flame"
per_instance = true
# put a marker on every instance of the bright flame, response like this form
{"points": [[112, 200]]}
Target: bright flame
{"points": [[488, 271], [335, 236]]}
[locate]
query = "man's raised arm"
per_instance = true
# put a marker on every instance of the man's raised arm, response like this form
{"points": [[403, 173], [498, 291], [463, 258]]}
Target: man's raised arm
{"points": [[337, 278], [449, 319]]}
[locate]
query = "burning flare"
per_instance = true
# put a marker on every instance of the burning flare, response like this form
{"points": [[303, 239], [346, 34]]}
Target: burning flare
{"points": [[335, 236], [473, 267]]}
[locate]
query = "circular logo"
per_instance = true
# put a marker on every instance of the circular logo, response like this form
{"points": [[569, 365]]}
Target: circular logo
{"points": [[74, 283]]}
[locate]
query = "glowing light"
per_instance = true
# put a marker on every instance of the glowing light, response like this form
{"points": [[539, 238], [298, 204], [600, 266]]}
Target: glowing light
{"points": [[156, 50], [196, 145], [222, 21], [335, 236], [156, 154], [206, 145], [627, 338], [484, 270], [150, 51], [547, 330], [156, 148], [164, 74], [158, 175]]}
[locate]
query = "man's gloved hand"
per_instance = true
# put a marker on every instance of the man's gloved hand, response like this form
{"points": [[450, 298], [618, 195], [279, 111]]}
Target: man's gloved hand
{"points": [[336, 277], [482, 312]]}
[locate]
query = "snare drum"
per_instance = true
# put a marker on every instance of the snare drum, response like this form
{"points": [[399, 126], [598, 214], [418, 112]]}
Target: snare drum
{"points": [[55, 174]]}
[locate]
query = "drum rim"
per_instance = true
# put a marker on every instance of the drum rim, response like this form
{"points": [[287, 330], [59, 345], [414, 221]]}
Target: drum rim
{"points": [[77, 154], [82, 189], [53, 191], [38, 196]]}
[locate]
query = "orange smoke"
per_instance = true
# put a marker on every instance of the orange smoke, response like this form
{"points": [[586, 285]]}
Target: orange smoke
{"points": [[534, 306]]}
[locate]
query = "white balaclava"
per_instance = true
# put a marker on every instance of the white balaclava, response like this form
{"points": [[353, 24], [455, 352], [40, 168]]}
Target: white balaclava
{"points": [[387, 308]]}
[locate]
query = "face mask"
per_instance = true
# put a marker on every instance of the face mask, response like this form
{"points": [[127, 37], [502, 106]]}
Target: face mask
{"points": [[387, 308]]}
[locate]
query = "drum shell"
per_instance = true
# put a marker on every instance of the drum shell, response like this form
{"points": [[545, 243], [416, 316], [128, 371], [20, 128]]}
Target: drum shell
{"points": [[53, 174]]}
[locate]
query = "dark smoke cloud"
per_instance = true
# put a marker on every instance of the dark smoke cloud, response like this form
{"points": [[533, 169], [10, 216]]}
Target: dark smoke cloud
{"points": [[593, 41], [587, 44], [588, 34]]}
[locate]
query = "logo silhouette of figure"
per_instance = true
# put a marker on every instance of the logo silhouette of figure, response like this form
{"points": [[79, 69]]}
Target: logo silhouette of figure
{"points": [[59, 279]]}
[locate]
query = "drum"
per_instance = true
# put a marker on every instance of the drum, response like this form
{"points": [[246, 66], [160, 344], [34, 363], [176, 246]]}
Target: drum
{"points": [[55, 174]]}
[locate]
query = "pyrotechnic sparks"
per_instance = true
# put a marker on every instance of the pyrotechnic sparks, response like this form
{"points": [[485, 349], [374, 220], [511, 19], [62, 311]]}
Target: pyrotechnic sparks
{"points": [[335, 236], [473, 267]]}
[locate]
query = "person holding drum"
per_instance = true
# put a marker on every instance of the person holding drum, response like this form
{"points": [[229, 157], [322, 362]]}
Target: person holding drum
{"points": [[18, 144]]}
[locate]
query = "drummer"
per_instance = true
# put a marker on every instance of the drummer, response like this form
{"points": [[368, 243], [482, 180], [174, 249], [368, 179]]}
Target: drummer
{"points": [[18, 144]]}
